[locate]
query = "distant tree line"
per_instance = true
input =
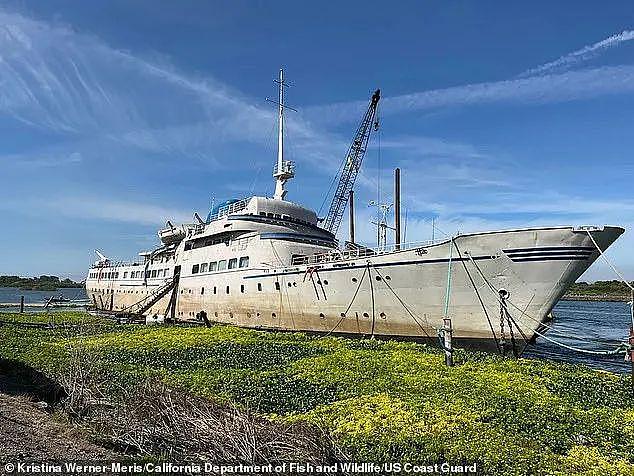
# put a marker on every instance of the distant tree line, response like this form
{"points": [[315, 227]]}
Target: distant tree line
{"points": [[600, 288], [43, 283]]}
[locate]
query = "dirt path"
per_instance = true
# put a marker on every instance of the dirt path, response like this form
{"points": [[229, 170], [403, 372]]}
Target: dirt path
{"points": [[29, 433]]}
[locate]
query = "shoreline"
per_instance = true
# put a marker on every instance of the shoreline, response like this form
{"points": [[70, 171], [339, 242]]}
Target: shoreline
{"points": [[596, 298]]}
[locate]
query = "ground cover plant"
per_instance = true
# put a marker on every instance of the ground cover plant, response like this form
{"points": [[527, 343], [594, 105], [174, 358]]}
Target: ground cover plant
{"points": [[373, 400]]}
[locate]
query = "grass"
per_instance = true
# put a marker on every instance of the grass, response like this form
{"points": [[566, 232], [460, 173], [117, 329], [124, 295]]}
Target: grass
{"points": [[379, 401]]}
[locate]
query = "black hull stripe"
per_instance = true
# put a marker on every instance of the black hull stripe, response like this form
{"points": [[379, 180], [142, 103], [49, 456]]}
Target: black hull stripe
{"points": [[550, 258], [551, 248], [550, 253]]}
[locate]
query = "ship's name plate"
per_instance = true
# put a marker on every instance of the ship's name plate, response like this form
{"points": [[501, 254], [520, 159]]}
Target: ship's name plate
{"points": [[421, 251]]}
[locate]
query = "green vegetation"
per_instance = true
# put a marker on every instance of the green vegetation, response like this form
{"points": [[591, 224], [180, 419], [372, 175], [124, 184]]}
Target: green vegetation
{"points": [[600, 289], [379, 401], [43, 283]]}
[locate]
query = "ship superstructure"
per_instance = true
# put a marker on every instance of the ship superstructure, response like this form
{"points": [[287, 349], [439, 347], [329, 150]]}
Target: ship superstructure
{"points": [[269, 263]]}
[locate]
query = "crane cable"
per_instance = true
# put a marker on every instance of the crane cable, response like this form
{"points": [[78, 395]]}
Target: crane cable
{"points": [[621, 348]]}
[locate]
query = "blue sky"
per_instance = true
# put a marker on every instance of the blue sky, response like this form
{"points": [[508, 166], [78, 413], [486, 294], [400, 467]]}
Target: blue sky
{"points": [[117, 115]]}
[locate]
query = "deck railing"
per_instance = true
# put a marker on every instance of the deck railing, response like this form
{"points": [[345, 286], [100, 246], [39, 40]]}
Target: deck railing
{"points": [[361, 252]]}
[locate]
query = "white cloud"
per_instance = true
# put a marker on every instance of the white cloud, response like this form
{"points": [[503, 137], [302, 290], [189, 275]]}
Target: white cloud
{"points": [[582, 54]]}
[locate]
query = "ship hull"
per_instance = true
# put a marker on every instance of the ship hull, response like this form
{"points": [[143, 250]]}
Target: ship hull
{"points": [[403, 294]]}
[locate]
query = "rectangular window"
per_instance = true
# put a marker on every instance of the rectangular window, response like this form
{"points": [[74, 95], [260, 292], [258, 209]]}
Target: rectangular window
{"points": [[259, 286], [222, 265], [202, 291], [195, 268], [277, 285], [159, 273], [233, 263], [227, 289], [213, 266], [167, 272], [203, 267], [215, 289], [154, 273], [244, 262], [242, 288], [125, 274]]}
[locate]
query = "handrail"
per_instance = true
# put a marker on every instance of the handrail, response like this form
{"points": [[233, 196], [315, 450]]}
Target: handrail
{"points": [[361, 252]]}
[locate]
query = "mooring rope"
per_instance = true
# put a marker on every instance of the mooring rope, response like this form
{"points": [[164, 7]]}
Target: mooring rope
{"points": [[602, 254], [343, 316], [621, 348]]}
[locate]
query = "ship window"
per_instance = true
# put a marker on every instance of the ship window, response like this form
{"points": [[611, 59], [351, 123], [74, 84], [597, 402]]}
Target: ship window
{"points": [[202, 291], [153, 273], [159, 273], [188, 245], [277, 285], [244, 261], [259, 286], [203, 267], [222, 265], [277, 215], [242, 288], [125, 274], [233, 263], [167, 272], [269, 215], [263, 214], [227, 289], [215, 290], [213, 266], [195, 268]]}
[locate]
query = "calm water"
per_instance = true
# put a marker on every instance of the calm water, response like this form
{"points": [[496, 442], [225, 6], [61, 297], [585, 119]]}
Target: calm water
{"points": [[13, 295], [603, 323]]}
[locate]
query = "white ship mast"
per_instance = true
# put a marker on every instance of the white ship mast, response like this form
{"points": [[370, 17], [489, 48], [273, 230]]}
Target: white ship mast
{"points": [[285, 169]]}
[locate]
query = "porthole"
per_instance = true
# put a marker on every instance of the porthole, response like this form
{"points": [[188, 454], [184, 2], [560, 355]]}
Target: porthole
{"points": [[378, 278], [321, 315], [326, 282], [319, 281], [354, 280], [290, 284], [231, 314], [343, 314], [248, 315], [216, 314], [273, 314], [382, 315], [257, 314], [365, 314], [387, 278]]}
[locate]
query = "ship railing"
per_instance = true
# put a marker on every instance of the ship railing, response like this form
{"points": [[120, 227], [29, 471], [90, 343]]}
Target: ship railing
{"points": [[361, 252], [230, 208]]}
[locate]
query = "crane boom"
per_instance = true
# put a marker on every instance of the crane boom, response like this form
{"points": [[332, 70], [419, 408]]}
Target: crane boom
{"points": [[351, 167]]}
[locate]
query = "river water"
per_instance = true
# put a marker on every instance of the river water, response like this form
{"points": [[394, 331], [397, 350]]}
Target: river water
{"points": [[601, 325]]}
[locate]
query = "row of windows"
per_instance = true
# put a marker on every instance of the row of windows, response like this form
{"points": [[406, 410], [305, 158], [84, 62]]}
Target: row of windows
{"points": [[284, 217], [221, 265], [150, 273]]}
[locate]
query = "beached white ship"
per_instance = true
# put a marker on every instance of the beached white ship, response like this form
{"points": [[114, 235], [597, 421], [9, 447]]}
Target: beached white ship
{"points": [[269, 263]]}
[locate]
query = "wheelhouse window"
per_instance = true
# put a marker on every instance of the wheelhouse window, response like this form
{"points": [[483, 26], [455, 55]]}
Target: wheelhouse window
{"points": [[213, 266], [203, 267], [244, 261], [154, 273], [195, 268], [125, 274], [222, 265], [233, 263], [159, 273]]}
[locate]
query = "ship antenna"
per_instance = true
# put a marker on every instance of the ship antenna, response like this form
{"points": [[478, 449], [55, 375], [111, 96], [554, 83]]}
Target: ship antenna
{"points": [[284, 169]]}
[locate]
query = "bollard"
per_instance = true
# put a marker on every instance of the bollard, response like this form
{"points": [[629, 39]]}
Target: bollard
{"points": [[21, 304], [447, 341]]}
